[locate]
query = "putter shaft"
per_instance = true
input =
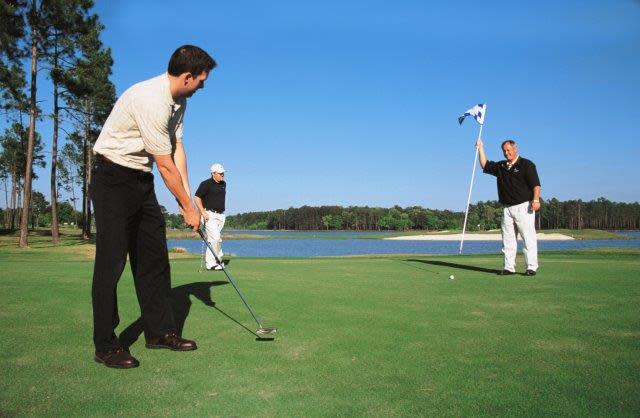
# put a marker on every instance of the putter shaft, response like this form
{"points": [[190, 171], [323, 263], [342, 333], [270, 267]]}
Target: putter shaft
{"points": [[233, 283]]}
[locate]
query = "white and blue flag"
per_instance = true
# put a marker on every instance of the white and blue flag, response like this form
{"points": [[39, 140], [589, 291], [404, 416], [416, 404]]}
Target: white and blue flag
{"points": [[476, 111]]}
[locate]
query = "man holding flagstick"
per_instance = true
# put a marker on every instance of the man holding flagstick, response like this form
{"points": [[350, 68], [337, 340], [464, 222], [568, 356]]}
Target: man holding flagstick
{"points": [[478, 112], [519, 193]]}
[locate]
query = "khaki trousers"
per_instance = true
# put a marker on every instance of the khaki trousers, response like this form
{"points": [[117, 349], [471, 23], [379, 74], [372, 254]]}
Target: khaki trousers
{"points": [[519, 219], [214, 235]]}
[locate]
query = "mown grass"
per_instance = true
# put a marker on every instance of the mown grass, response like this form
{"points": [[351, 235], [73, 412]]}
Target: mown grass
{"points": [[360, 336]]}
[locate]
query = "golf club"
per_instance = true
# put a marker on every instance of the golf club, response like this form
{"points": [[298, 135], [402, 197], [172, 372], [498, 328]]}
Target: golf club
{"points": [[202, 265], [261, 332]]}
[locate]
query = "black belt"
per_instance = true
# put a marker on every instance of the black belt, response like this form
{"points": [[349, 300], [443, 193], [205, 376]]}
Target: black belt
{"points": [[221, 212], [101, 160]]}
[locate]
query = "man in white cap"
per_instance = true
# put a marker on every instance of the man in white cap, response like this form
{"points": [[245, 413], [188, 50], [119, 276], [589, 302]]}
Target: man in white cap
{"points": [[210, 199]]}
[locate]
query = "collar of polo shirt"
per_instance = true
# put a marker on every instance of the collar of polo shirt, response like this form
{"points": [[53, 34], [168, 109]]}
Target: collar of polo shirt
{"points": [[169, 98], [509, 165]]}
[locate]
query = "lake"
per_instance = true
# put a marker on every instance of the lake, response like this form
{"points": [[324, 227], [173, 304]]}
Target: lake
{"points": [[317, 247]]}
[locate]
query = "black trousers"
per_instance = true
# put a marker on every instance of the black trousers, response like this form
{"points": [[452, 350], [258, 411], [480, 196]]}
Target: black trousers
{"points": [[128, 221]]}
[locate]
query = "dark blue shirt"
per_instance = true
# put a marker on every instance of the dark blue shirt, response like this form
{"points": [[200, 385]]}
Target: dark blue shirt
{"points": [[212, 195]]}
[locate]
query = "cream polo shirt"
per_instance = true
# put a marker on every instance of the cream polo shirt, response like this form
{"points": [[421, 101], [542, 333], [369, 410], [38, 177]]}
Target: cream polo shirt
{"points": [[145, 121]]}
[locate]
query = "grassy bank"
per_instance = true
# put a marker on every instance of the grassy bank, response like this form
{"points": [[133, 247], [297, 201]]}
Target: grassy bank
{"points": [[377, 336]]}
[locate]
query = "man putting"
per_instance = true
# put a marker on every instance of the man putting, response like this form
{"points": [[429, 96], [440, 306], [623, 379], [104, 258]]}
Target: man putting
{"points": [[519, 193], [210, 199], [145, 125]]}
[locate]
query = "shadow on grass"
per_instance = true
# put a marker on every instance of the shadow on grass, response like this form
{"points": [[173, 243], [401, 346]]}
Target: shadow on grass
{"points": [[180, 304], [455, 265], [234, 320]]}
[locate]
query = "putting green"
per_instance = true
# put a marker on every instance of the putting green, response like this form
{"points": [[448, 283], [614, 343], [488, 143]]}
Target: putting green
{"points": [[374, 336]]}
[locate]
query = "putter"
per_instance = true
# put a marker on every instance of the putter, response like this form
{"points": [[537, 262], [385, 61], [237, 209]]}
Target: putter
{"points": [[202, 266], [265, 333]]}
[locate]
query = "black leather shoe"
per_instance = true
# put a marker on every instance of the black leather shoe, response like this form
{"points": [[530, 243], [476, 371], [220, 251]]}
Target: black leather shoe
{"points": [[530, 273], [171, 341], [506, 273], [118, 359]]}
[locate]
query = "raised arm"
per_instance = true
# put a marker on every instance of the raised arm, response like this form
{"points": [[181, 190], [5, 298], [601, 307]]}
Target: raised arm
{"points": [[482, 157]]}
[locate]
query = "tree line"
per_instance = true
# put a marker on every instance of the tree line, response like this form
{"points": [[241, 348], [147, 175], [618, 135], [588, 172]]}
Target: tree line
{"points": [[40, 215], [483, 216], [58, 40], [554, 214]]}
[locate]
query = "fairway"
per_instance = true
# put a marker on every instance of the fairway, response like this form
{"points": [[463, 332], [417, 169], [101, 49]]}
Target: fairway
{"points": [[361, 336]]}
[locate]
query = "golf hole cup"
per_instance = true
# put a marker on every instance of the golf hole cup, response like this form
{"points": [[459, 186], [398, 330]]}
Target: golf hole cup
{"points": [[452, 277]]}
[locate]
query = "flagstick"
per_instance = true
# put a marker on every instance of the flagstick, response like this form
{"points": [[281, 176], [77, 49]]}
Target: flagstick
{"points": [[473, 174]]}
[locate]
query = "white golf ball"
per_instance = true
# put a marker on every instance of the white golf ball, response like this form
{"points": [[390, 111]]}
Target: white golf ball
{"points": [[452, 277]]}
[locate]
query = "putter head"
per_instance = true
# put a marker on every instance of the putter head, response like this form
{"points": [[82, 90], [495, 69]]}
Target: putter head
{"points": [[266, 333]]}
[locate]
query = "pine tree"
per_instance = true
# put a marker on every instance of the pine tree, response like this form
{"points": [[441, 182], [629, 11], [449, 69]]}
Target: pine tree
{"points": [[67, 21], [35, 26], [13, 160], [90, 97], [12, 76], [70, 165]]}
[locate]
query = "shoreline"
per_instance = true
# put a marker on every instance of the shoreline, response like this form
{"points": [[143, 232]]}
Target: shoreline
{"points": [[477, 237], [490, 235]]}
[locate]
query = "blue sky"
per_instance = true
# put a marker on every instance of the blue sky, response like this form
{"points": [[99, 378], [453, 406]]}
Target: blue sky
{"points": [[356, 102]]}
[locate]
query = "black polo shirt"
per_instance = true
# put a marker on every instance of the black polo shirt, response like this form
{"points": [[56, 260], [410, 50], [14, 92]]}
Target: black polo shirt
{"points": [[212, 195], [515, 185]]}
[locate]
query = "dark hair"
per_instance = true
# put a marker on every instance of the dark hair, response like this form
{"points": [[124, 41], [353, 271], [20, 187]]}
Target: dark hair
{"points": [[508, 141], [190, 59]]}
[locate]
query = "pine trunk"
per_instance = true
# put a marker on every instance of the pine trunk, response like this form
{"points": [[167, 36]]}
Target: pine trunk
{"points": [[55, 228], [14, 197], [86, 201], [6, 200], [24, 219]]}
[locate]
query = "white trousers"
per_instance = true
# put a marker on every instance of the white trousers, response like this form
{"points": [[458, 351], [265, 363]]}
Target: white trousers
{"points": [[519, 219], [214, 235]]}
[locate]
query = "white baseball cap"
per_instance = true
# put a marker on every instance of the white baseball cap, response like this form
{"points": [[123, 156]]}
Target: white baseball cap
{"points": [[217, 168]]}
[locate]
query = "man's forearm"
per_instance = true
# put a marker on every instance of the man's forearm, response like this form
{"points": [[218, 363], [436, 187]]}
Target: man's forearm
{"points": [[173, 180], [199, 204], [536, 193], [482, 157], [180, 159]]}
